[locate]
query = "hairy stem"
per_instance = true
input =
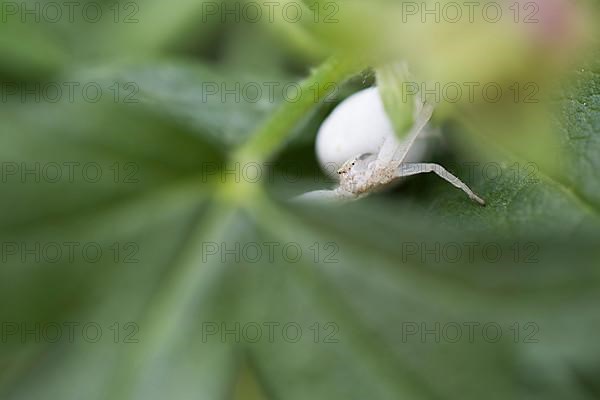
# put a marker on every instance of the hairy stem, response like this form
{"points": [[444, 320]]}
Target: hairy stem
{"points": [[270, 136]]}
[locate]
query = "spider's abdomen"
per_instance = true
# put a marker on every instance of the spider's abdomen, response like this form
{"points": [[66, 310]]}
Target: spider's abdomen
{"points": [[359, 125]]}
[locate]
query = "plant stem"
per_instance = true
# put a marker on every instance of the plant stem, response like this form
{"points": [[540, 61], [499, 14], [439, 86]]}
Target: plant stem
{"points": [[271, 135]]}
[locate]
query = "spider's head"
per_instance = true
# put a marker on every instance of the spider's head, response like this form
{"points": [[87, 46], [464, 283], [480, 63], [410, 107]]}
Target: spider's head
{"points": [[357, 163], [347, 167]]}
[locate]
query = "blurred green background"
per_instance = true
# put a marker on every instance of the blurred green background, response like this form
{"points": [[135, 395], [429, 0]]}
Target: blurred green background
{"points": [[130, 226]]}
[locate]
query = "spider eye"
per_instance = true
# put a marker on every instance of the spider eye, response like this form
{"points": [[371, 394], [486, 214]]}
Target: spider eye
{"points": [[352, 163]]}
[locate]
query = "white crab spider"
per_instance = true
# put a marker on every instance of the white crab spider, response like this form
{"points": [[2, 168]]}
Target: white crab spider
{"points": [[375, 165]]}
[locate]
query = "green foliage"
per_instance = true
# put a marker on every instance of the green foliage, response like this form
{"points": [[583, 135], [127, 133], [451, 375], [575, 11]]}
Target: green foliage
{"points": [[165, 193]]}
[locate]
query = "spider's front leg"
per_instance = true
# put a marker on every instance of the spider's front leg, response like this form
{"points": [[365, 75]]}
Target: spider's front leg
{"points": [[404, 170]]}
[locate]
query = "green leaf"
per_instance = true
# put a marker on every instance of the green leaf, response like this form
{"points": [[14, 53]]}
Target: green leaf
{"points": [[29, 51], [580, 123], [220, 106], [374, 275]]}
